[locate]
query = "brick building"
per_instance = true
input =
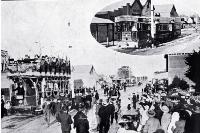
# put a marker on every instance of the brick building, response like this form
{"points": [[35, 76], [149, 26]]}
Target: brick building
{"points": [[132, 21]]}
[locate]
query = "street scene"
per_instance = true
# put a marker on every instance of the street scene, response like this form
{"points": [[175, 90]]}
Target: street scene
{"points": [[139, 27], [56, 77]]}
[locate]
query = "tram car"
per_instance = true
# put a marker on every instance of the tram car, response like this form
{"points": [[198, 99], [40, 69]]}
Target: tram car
{"points": [[138, 29]]}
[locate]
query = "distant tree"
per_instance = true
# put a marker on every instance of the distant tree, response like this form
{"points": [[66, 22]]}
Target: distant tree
{"points": [[193, 72], [179, 83], [124, 72]]}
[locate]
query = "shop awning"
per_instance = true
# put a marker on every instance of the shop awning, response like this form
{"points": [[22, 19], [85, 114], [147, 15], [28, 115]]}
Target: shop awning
{"points": [[97, 20], [125, 18]]}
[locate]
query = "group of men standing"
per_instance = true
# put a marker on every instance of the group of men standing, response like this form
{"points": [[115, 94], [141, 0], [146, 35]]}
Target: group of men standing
{"points": [[61, 112], [106, 111]]}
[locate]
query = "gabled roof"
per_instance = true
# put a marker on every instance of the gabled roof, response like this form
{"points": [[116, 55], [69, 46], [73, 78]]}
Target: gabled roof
{"points": [[96, 20], [164, 10], [82, 69], [117, 5]]}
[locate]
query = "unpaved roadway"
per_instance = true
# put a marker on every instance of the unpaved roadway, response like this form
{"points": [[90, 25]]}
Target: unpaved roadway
{"points": [[38, 125]]}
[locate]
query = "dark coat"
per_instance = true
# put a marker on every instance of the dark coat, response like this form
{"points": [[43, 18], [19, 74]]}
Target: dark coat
{"points": [[65, 120], [83, 126], [192, 125], [76, 118], [111, 109], [97, 96], [104, 113]]}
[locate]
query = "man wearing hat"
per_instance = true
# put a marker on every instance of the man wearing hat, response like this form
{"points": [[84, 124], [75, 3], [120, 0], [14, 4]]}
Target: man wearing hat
{"points": [[152, 123], [104, 114], [65, 119], [134, 99], [98, 106], [77, 116], [192, 126]]}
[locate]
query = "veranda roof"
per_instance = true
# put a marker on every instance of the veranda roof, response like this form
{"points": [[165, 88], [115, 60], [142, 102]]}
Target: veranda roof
{"points": [[97, 20]]}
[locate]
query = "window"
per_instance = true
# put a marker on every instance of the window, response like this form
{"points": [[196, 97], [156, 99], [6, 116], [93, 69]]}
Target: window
{"points": [[163, 27]]}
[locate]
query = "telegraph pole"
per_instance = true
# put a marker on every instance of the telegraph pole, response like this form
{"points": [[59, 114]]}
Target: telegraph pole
{"points": [[152, 22], [40, 49]]}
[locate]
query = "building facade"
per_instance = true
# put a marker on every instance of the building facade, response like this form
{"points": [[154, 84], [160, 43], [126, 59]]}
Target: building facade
{"points": [[132, 21], [176, 66]]}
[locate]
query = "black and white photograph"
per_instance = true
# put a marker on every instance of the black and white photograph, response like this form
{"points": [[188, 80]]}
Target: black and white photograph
{"points": [[100, 66], [146, 27]]}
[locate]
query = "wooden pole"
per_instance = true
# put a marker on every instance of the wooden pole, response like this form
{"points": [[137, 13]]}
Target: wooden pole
{"points": [[113, 30], [152, 20], [97, 32], [107, 35]]}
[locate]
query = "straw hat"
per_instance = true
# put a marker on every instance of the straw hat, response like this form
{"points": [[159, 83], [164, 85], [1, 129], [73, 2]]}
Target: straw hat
{"points": [[151, 113], [165, 108]]}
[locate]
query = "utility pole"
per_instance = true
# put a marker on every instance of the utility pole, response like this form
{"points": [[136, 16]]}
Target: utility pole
{"points": [[40, 52], [152, 21]]}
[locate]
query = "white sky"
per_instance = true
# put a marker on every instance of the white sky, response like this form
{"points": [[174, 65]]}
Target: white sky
{"points": [[26, 22]]}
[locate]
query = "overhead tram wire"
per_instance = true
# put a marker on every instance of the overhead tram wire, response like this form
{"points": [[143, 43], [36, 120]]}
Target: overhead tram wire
{"points": [[37, 39]]}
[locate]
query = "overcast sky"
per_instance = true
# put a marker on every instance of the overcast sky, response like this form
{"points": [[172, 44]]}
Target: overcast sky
{"points": [[46, 22]]}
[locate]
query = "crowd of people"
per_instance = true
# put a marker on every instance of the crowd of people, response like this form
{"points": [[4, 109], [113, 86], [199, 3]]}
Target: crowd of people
{"points": [[151, 111], [170, 116], [155, 112]]}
